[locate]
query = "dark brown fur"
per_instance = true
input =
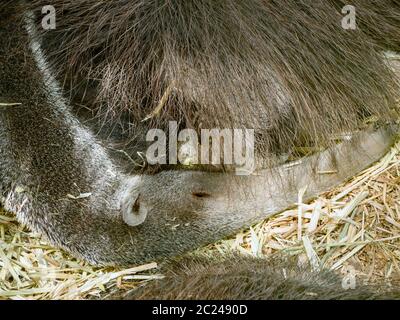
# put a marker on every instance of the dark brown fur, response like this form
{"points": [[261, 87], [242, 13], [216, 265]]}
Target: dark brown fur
{"points": [[284, 68], [235, 277], [379, 19]]}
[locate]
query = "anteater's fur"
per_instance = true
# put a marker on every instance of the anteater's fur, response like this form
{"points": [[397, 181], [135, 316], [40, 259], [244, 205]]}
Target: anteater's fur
{"points": [[284, 68], [235, 277], [379, 19]]}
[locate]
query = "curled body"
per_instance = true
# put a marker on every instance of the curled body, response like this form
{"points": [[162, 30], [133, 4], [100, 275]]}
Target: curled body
{"points": [[77, 102]]}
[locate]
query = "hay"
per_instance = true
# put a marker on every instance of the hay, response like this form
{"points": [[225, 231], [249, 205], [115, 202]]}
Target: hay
{"points": [[357, 226], [31, 269]]}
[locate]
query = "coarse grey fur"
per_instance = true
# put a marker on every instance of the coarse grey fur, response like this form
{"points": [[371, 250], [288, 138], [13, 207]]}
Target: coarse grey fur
{"points": [[237, 277]]}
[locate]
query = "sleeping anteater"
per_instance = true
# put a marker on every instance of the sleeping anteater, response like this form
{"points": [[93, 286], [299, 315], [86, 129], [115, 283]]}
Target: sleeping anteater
{"points": [[78, 99]]}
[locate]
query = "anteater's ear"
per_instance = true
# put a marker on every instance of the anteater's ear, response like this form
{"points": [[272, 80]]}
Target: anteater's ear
{"points": [[134, 210]]}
